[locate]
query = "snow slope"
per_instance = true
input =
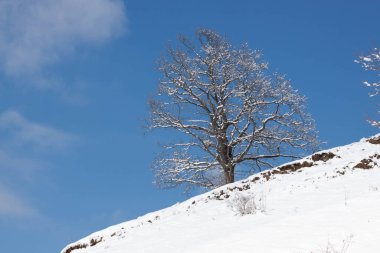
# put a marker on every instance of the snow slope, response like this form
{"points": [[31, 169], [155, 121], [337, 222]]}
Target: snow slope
{"points": [[328, 202]]}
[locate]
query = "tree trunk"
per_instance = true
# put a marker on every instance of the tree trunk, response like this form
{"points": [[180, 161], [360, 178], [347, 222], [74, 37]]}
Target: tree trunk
{"points": [[229, 174], [228, 167]]}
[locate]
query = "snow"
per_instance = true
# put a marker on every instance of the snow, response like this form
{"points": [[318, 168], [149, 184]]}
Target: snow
{"points": [[328, 207]]}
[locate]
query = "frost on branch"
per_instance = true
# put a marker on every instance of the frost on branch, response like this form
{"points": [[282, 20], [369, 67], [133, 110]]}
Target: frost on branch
{"points": [[371, 62], [247, 203], [233, 115]]}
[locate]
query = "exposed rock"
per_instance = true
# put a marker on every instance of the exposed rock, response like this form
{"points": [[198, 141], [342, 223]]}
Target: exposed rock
{"points": [[364, 164], [255, 179], [93, 241], [322, 156], [267, 175], [293, 167], [374, 140], [75, 247]]}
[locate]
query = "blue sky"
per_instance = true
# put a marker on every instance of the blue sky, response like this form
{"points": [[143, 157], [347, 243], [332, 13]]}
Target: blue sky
{"points": [[75, 76]]}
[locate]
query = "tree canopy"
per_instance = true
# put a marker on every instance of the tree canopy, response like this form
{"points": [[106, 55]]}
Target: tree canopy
{"points": [[232, 113], [371, 62]]}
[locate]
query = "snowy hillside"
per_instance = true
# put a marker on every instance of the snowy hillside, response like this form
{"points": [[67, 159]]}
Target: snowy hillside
{"points": [[328, 202]]}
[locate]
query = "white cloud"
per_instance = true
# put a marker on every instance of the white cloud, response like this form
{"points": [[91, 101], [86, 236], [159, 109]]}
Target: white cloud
{"points": [[16, 166], [20, 164], [21, 131], [14, 206], [35, 33]]}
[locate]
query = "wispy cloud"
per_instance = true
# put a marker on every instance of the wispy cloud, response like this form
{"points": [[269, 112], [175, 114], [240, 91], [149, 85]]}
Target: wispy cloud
{"points": [[21, 131], [24, 153], [12, 205], [35, 33], [20, 168]]}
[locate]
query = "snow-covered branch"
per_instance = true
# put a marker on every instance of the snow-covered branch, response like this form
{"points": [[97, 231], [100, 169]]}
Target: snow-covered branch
{"points": [[230, 109], [371, 62]]}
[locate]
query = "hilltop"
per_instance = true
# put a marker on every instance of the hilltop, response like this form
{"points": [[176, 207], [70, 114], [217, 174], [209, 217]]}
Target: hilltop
{"points": [[326, 202]]}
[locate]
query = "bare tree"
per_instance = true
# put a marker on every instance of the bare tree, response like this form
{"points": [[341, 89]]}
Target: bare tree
{"points": [[233, 115], [371, 62]]}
